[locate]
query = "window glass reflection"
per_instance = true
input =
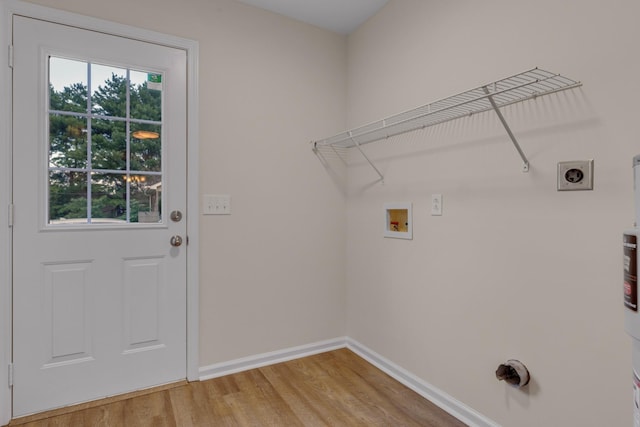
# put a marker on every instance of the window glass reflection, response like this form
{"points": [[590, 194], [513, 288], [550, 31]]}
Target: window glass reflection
{"points": [[105, 144], [67, 141]]}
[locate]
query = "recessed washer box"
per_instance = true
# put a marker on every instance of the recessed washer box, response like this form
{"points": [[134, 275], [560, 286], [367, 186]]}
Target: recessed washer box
{"points": [[575, 175], [398, 222]]}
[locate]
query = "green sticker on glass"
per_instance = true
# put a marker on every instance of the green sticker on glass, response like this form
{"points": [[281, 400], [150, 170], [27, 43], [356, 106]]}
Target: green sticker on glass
{"points": [[154, 81]]}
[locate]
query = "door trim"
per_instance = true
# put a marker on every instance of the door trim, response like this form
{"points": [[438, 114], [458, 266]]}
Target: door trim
{"points": [[9, 8]]}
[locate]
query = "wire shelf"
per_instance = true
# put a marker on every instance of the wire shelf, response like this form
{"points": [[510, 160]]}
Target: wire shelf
{"points": [[520, 87]]}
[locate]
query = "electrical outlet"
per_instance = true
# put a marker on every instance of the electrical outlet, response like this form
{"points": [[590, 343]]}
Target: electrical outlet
{"points": [[575, 175]]}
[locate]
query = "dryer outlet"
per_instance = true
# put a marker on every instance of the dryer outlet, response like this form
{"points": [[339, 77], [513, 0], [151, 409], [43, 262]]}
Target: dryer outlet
{"points": [[575, 175]]}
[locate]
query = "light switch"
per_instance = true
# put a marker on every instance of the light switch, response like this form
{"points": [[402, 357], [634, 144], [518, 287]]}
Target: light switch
{"points": [[436, 204], [216, 204]]}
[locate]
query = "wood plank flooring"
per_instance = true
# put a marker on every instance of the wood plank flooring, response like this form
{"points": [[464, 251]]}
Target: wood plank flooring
{"points": [[336, 388]]}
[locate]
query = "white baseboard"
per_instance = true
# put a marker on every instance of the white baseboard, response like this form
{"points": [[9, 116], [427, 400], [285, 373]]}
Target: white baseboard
{"points": [[437, 397], [446, 402], [265, 359]]}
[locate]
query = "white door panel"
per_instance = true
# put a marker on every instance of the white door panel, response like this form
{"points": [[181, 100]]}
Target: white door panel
{"points": [[67, 295], [99, 305]]}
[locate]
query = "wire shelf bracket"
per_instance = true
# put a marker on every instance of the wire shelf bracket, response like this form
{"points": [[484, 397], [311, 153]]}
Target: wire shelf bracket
{"points": [[525, 164], [493, 96]]}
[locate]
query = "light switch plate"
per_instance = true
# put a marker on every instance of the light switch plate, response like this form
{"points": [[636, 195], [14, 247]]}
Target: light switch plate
{"points": [[216, 204], [436, 204], [575, 175]]}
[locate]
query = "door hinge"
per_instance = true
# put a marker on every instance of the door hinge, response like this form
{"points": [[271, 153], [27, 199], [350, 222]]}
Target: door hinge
{"points": [[11, 374], [10, 216], [10, 56]]}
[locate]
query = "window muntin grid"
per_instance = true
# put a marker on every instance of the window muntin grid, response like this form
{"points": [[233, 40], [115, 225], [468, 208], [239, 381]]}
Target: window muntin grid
{"points": [[101, 168]]}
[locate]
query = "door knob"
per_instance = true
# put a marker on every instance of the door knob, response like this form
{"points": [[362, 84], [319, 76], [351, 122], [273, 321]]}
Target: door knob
{"points": [[176, 241]]}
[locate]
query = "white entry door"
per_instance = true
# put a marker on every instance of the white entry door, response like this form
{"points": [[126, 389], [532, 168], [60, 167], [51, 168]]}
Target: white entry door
{"points": [[99, 127]]}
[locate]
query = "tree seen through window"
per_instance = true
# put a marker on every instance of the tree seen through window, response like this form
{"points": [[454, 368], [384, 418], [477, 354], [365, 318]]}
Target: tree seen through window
{"points": [[101, 167]]}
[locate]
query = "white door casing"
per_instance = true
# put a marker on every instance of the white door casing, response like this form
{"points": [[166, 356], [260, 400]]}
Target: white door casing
{"points": [[71, 279]]}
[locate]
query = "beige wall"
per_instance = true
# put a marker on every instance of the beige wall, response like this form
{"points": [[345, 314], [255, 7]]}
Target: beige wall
{"points": [[272, 273], [513, 268]]}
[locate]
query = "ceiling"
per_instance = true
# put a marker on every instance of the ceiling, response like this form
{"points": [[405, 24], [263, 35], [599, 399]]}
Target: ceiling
{"points": [[340, 16]]}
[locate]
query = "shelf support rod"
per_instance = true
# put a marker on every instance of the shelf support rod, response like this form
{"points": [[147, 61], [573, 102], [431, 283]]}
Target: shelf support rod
{"points": [[366, 158], [525, 166]]}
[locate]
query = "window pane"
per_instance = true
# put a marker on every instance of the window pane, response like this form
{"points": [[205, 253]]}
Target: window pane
{"points": [[146, 147], [146, 96], [67, 197], [108, 91], [67, 85], [67, 141], [108, 144], [121, 132], [108, 198], [145, 196]]}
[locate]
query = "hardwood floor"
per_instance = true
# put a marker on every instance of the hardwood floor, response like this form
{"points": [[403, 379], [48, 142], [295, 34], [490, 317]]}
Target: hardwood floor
{"points": [[337, 388]]}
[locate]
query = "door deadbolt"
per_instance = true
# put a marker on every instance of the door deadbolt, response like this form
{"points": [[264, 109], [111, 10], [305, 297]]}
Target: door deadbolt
{"points": [[176, 241], [176, 216]]}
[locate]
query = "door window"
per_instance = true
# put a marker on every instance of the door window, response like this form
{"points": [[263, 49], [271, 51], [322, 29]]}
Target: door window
{"points": [[105, 144]]}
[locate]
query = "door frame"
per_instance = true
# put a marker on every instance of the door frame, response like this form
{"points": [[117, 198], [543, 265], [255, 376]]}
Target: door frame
{"points": [[9, 8]]}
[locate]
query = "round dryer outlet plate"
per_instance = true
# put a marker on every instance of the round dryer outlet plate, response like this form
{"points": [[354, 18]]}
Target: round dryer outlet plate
{"points": [[575, 175]]}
